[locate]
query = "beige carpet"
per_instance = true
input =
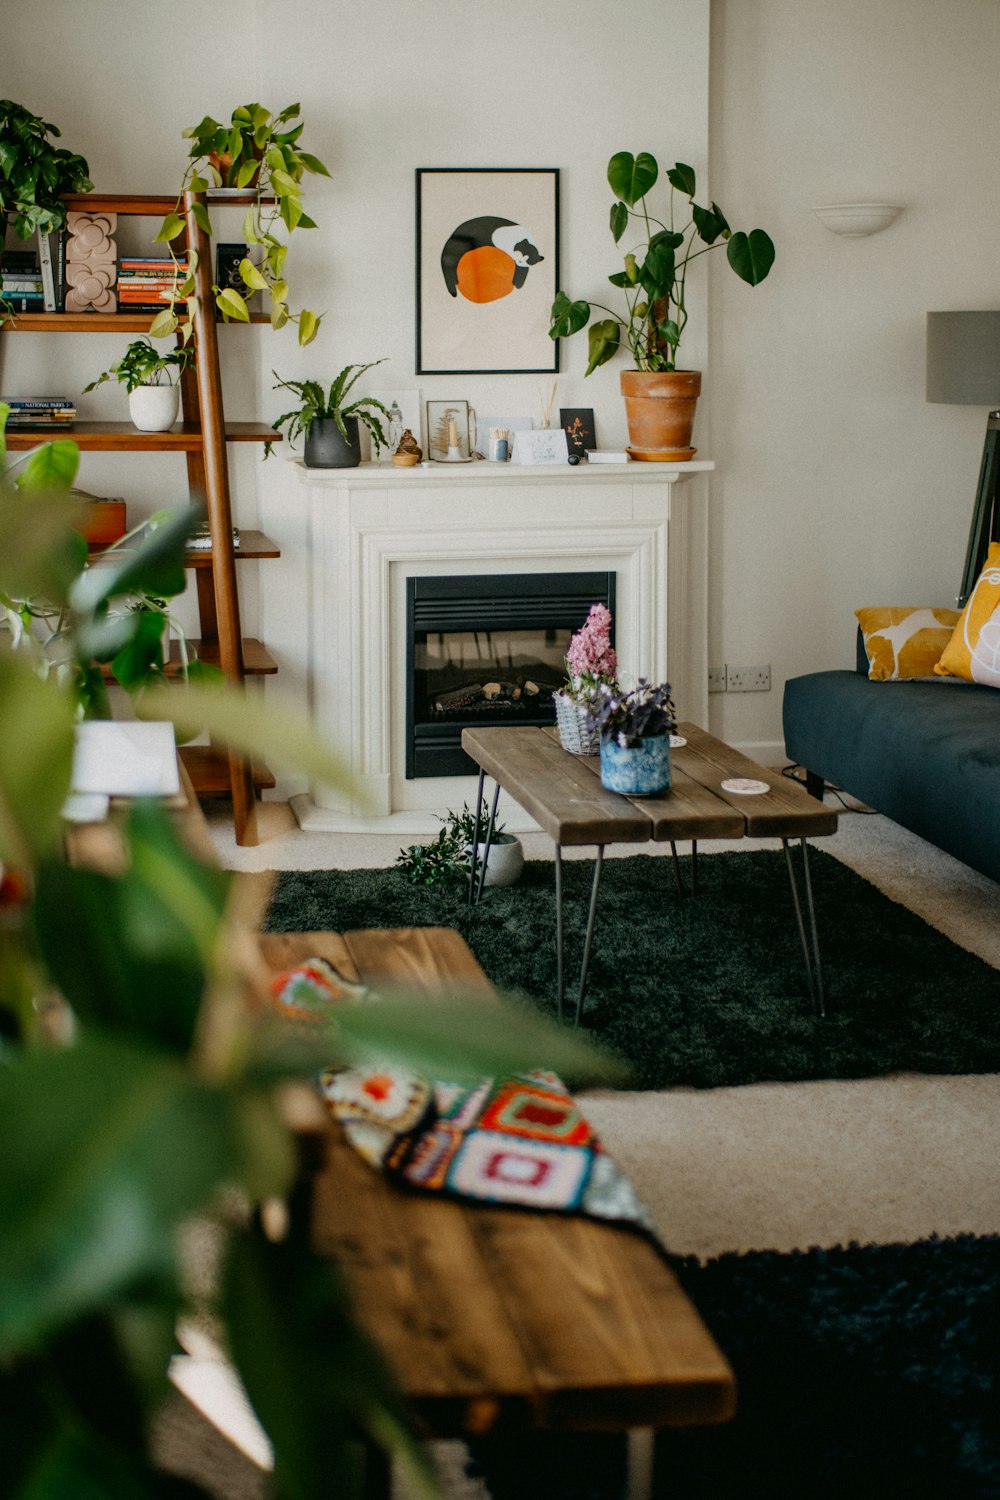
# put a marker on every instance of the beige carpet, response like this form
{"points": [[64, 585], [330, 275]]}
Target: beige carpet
{"points": [[773, 1166]]}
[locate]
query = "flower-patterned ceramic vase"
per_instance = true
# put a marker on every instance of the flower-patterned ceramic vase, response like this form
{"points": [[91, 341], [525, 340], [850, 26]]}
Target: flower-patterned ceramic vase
{"points": [[636, 770]]}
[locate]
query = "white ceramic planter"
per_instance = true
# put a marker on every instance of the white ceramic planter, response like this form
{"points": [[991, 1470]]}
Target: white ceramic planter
{"points": [[506, 859], [153, 408]]}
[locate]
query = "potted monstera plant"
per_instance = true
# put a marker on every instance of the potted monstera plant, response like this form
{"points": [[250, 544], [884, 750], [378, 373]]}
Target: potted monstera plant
{"points": [[660, 399], [259, 152]]}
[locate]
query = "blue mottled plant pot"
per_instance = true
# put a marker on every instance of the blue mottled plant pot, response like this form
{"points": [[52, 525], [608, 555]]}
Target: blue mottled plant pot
{"points": [[636, 770]]}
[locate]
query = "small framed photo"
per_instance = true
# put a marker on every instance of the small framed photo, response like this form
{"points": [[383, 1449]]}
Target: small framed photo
{"points": [[448, 432], [227, 268], [487, 269], [547, 446], [577, 422], [404, 408]]}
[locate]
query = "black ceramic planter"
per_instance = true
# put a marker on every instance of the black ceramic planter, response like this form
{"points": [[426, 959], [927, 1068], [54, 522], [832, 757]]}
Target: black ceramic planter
{"points": [[325, 446]]}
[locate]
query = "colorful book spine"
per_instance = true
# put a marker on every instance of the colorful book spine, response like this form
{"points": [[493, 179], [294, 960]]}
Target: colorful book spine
{"points": [[47, 270], [46, 401]]}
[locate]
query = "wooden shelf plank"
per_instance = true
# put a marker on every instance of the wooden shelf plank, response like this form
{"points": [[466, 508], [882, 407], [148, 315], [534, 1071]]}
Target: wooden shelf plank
{"points": [[252, 544], [209, 771], [123, 436], [63, 322], [257, 660], [154, 204]]}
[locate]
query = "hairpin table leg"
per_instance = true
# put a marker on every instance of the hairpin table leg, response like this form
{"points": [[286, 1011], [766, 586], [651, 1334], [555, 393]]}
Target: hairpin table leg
{"points": [[681, 890], [591, 917], [489, 839], [475, 839], [810, 944], [559, 931]]}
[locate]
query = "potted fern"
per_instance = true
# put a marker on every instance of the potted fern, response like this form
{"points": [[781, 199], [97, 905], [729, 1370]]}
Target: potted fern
{"points": [[660, 399], [331, 426]]}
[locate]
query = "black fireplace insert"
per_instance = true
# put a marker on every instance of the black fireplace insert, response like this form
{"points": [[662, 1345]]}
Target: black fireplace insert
{"points": [[487, 649]]}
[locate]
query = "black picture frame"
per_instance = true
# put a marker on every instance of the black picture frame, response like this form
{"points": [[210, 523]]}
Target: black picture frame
{"points": [[577, 422], [484, 291]]}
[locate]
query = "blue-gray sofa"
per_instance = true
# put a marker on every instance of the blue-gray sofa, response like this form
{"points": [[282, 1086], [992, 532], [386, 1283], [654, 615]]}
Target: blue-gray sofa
{"points": [[927, 754]]}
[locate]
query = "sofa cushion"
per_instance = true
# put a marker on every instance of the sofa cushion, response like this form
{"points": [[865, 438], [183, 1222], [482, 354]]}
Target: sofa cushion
{"points": [[904, 640], [974, 649], [927, 754]]}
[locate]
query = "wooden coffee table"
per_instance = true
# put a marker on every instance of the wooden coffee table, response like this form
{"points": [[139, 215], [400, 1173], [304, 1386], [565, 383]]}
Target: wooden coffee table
{"points": [[563, 793]]}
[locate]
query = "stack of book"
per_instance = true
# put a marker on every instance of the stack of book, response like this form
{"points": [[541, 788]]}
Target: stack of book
{"points": [[21, 282], [200, 539], [41, 412], [146, 283]]}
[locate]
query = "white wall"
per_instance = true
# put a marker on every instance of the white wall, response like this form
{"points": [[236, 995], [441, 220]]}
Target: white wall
{"points": [[383, 91], [837, 484]]}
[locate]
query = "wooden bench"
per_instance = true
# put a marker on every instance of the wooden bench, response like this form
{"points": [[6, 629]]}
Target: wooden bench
{"points": [[500, 1319]]}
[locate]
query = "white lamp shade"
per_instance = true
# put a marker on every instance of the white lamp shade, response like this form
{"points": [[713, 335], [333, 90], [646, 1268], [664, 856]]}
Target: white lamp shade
{"points": [[856, 219]]}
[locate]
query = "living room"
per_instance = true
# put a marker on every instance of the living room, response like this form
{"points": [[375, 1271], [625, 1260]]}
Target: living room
{"points": [[836, 485]]}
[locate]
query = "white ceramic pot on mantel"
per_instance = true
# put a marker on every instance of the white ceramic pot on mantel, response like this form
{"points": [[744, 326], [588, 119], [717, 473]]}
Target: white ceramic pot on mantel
{"points": [[154, 408]]}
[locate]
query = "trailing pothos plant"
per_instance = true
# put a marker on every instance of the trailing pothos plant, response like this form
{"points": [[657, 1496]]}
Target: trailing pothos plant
{"points": [[139, 1063], [653, 278], [144, 364], [259, 151]]}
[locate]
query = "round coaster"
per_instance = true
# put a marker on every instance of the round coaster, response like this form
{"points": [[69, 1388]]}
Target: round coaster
{"points": [[676, 741], [745, 786]]}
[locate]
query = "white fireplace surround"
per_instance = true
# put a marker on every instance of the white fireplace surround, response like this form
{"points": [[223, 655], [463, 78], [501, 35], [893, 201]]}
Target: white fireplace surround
{"points": [[371, 528]]}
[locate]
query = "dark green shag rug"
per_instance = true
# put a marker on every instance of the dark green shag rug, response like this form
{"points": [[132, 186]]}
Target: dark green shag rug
{"points": [[862, 1372], [706, 991]]}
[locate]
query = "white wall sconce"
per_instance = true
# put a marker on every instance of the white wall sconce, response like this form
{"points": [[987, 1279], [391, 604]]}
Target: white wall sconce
{"points": [[856, 219]]}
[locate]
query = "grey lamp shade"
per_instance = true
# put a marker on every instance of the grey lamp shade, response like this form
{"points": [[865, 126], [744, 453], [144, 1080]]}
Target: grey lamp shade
{"points": [[963, 358]]}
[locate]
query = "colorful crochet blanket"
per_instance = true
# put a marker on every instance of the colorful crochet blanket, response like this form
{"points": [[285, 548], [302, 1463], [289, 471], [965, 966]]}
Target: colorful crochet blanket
{"points": [[517, 1140]]}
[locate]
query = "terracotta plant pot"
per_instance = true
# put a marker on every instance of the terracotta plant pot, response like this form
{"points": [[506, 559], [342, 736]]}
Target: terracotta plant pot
{"points": [[659, 409]]}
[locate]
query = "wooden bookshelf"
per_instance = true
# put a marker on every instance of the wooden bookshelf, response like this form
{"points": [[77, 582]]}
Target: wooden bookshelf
{"points": [[203, 437]]}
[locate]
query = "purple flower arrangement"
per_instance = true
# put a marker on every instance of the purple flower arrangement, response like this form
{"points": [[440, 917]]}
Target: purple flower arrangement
{"points": [[627, 717]]}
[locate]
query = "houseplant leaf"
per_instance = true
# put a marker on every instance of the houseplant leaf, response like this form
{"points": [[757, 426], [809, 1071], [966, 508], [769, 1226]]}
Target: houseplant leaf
{"points": [[750, 255], [90, 1198], [681, 177], [619, 220], [33, 783], [631, 177], [567, 317], [604, 339]]}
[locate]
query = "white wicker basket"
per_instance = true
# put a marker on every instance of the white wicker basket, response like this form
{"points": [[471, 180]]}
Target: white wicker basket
{"points": [[575, 732]]}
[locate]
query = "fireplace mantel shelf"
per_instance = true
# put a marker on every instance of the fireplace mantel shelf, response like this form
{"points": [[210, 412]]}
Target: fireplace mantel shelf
{"points": [[371, 528], [483, 472]]}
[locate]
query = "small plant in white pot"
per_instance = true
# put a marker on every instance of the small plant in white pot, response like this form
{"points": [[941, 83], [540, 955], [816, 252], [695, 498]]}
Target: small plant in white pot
{"points": [[153, 397], [447, 860]]}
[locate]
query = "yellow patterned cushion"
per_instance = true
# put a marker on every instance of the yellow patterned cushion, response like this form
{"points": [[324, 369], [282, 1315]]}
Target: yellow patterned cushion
{"points": [[974, 649], [904, 640]]}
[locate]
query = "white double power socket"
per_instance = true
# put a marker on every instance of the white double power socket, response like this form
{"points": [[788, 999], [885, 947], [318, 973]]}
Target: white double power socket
{"points": [[727, 679]]}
